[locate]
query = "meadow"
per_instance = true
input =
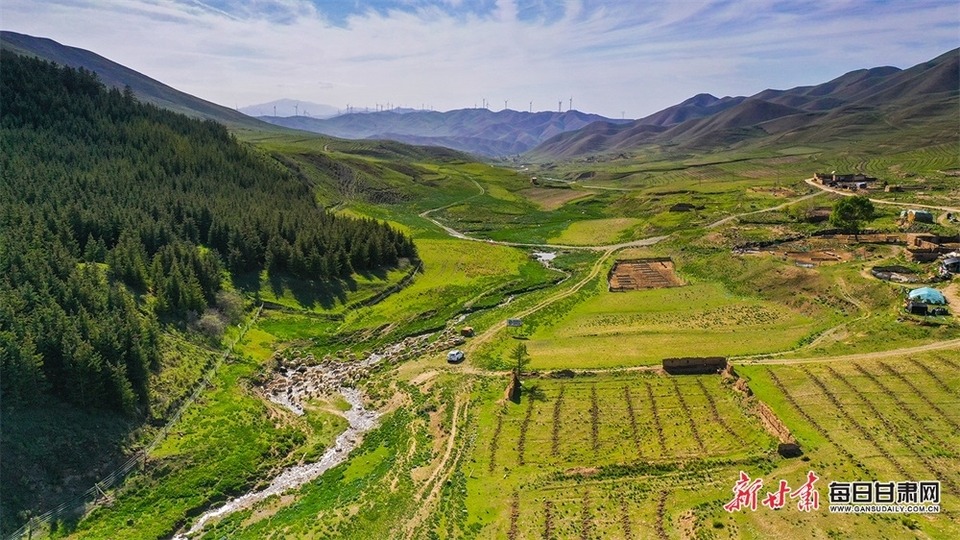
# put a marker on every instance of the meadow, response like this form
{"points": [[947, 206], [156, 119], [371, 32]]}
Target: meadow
{"points": [[619, 450]]}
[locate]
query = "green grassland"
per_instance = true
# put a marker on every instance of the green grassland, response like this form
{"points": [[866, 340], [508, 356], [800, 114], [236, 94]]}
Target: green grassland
{"points": [[581, 457], [885, 419], [642, 327], [222, 446]]}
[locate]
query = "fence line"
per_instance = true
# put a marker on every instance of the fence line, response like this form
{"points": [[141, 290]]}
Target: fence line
{"points": [[40, 526]]}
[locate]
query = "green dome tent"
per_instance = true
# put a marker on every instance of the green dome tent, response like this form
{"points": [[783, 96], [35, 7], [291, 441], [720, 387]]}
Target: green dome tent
{"points": [[927, 295]]}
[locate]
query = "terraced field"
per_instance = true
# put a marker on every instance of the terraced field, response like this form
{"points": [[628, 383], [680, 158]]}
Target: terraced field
{"points": [[584, 432], [642, 327]]}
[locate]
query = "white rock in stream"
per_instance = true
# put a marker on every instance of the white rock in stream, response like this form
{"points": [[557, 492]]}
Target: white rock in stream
{"points": [[361, 421]]}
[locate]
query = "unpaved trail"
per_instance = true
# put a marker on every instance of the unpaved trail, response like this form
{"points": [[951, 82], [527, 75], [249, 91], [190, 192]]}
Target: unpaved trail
{"points": [[489, 333], [813, 183], [457, 234], [778, 207], [440, 475], [827, 334], [361, 421], [953, 344], [952, 294]]}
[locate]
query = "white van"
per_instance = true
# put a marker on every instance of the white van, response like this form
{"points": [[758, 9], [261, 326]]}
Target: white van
{"points": [[455, 356]]}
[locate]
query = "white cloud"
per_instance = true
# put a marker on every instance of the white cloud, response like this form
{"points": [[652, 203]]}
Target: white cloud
{"points": [[610, 56]]}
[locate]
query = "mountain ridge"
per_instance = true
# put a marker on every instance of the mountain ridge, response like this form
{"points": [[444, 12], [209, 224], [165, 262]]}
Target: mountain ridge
{"points": [[116, 75], [479, 131], [868, 99]]}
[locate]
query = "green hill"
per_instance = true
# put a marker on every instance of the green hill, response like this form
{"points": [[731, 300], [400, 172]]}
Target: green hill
{"points": [[123, 231], [117, 76], [873, 103]]}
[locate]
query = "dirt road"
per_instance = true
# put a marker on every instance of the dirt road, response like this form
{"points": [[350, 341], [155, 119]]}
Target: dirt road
{"points": [[813, 183], [778, 207], [457, 234]]}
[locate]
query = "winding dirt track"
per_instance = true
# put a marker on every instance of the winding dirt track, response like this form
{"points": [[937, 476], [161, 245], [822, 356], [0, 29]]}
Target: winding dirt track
{"points": [[778, 207], [953, 344], [457, 234], [608, 250], [597, 266], [879, 201], [440, 475]]}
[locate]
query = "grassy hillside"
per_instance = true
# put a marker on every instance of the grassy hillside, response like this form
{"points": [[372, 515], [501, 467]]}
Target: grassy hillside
{"points": [[117, 76], [876, 104]]}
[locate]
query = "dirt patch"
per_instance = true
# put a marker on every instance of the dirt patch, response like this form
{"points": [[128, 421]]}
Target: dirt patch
{"points": [[267, 511], [774, 191], [952, 294], [810, 252], [817, 258], [582, 471], [551, 199], [637, 274], [687, 525], [423, 377]]}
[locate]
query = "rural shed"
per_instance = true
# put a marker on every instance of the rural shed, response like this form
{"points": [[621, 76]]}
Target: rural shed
{"points": [[922, 216], [694, 365], [927, 295], [951, 265], [916, 308]]}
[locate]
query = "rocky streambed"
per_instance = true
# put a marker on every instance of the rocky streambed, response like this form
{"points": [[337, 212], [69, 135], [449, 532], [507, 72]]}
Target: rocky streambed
{"points": [[294, 382], [360, 420]]}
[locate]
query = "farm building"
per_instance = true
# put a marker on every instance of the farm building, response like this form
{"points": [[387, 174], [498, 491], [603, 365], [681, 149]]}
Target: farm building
{"points": [[921, 216], [844, 181], [927, 295], [685, 207], [692, 366], [951, 265], [927, 247]]}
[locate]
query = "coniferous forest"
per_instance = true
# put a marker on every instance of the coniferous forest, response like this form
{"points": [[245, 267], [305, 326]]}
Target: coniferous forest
{"points": [[116, 215]]}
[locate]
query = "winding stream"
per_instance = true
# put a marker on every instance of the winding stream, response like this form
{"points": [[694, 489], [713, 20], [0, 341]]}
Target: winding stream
{"points": [[361, 421]]}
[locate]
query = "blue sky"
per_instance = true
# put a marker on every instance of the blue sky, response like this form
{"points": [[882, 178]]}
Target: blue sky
{"points": [[630, 57]]}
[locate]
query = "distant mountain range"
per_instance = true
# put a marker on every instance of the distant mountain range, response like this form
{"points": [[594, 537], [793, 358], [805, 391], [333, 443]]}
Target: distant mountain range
{"points": [[860, 103], [866, 102], [115, 75], [478, 131], [291, 107]]}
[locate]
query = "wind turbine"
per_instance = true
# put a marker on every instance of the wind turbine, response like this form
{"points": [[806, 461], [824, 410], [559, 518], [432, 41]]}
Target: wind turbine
{"points": [[571, 104], [274, 110], [531, 106], [504, 104], [559, 105], [296, 109]]}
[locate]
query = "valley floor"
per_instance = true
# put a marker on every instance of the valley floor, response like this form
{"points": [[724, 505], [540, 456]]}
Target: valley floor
{"points": [[601, 443]]}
